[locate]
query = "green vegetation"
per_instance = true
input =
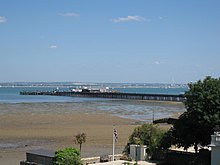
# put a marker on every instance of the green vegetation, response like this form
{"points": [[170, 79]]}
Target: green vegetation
{"points": [[79, 139], [147, 134], [195, 126], [68, 156]]}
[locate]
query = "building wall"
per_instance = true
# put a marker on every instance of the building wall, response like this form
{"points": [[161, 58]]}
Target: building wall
{"points": [[215, 156], [138, 152], [39, 159]]}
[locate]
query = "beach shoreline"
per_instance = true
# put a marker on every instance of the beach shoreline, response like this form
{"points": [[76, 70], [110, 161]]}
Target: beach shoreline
{"points": [[21, 131], [29, 126]]}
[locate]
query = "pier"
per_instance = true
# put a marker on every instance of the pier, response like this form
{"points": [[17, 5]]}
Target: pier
{"points": [[111, 95]]}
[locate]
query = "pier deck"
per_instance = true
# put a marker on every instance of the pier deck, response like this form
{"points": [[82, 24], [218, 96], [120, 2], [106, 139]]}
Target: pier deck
{"points": [[111, 95]]}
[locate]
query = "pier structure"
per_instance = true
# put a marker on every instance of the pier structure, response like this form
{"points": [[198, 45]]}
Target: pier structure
{"points": [[111, 95]]}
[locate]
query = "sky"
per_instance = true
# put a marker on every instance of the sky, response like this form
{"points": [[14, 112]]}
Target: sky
{"points": [[114, 41]]}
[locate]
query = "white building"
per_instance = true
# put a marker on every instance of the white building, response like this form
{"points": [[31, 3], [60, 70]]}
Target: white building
{"points": [[215, 148], [138, 152]]}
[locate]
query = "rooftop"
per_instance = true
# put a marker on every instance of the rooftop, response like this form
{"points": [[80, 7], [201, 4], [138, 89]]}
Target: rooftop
{"points": [[42, 152]]}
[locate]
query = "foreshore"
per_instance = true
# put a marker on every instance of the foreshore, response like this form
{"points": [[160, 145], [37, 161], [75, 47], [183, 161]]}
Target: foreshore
{"points": [[27, 126], [25, 130]]}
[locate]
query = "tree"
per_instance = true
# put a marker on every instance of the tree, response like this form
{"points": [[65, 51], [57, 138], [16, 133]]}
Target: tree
{"points": [[79, 139], [147, 134], [195, 126], [68, 156]]}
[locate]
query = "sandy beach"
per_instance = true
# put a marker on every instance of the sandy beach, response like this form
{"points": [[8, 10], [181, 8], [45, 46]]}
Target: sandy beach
{"points": [[28, 126], [22, 130]]}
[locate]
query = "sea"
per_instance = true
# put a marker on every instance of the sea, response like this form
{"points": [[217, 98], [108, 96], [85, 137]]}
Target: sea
{"points": [[133, 109]]}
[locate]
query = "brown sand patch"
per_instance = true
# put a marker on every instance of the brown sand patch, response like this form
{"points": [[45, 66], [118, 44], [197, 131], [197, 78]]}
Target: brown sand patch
{"points": [[23, 131]]}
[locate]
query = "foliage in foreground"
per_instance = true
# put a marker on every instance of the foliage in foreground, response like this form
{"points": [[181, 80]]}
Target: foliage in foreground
{"points": [[149, 135], [68, 156], [195, 126]]}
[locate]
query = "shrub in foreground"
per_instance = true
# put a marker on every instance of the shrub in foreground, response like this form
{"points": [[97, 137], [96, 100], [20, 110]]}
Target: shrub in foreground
{"points": [[149, 135], [67, 156]]}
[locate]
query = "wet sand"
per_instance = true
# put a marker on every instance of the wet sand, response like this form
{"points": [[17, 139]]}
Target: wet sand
{"points": [[21, 131], [27, 126]]}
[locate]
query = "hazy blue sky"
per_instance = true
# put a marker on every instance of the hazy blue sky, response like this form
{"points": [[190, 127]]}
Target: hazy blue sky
{"points": [[109, 40]]}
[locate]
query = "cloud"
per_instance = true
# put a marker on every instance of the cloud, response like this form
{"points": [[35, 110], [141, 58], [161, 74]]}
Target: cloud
{"points": [[53, 46], [74, 15], [129, 19], [158, 62], [162, 17], [2, 19]]}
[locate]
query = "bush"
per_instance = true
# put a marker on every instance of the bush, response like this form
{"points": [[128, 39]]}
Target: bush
{"points": [[149, 135], [68, 156]]}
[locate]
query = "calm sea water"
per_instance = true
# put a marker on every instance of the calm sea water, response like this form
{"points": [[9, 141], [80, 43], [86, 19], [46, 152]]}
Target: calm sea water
{"points": [[12, 95], [140, 110]]}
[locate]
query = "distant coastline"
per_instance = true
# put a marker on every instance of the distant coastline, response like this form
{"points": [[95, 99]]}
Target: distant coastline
{"points": [[74, 84]]}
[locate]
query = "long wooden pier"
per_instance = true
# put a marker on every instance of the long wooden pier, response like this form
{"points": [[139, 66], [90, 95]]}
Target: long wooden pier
{"points": [[111, 95]]}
